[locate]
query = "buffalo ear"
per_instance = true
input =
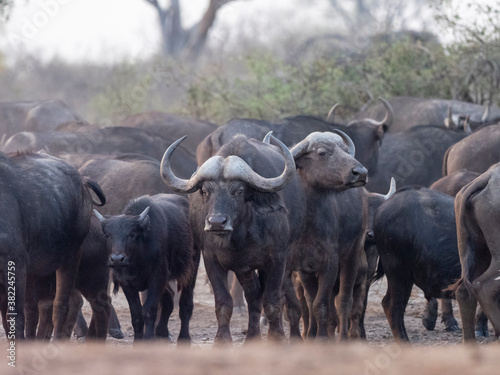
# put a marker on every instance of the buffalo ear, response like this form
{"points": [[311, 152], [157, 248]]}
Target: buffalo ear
{"points": [[381, 130], [143, 220]]}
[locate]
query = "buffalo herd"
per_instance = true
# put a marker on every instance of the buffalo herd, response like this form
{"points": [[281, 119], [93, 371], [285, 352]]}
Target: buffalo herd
{"points": [[302, 211]]}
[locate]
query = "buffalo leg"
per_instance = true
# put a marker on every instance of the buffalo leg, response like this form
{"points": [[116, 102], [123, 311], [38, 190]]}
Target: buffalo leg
{"points": [[481, 324], [101, 311], [293, 307], [272, 299], [45, 326], [134, 303], [150, 308], [166, 308], [394, 304], [467, 305], [114, 328], [81, 327], [310, 288], [31, 307], [237, 294], [486, 288], [249, 281], [186, 304], [304, 309], [65, 283], [223, 301], [357, 310], [430, 314], [347, 280], [450, 323]]}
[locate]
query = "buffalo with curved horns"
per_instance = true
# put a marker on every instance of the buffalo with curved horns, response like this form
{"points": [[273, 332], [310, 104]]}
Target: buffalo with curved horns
{"points": [[246, 207]]}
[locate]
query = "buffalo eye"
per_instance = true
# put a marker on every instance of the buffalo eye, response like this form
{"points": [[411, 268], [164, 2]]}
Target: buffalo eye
{"points": [[203, 192], [322, 153], [106, 235], [239, 192], [131, 235]]}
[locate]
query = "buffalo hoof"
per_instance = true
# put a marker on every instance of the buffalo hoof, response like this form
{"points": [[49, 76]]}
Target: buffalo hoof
{"points": [[482, 333], [116, 333], [429, 322], [451, 325], [452, 328]]}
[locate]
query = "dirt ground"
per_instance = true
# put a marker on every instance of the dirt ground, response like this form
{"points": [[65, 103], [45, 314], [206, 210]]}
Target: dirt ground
{"points": [[378, 355]]}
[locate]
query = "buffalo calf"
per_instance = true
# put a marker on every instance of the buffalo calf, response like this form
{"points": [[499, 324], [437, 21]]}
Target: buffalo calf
{"points": [[151, 244]]}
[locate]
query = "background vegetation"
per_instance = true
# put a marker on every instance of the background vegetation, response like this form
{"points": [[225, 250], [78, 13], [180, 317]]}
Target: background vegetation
{"points": [[288, 77]]}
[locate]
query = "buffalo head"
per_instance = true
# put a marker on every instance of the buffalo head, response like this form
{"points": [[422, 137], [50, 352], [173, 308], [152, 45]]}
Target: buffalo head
{"points": [[326, 161], [123, 232], [226, 184]]}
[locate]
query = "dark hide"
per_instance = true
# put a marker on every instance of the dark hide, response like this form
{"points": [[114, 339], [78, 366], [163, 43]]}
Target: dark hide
{"points": [[452, 183], [148, 251], [46, 215], [171, 127], [415, 234], [413, 157], [123, 180]]}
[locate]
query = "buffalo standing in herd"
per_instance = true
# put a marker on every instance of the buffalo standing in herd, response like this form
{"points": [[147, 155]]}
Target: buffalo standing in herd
{"points": [[281, 204]]}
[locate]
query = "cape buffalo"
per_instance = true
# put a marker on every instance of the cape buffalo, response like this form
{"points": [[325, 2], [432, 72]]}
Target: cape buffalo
{"points": [[410, 112], [367, 134], [329, 249], [110, 140], [47, 208], [151, 244], [477, 211], [415, 235], [171, 127], [35, 116], [246, 207], [475, 153]]}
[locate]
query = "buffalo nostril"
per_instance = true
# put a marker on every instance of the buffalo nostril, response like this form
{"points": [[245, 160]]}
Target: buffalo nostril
{"points": [[359, 171], [117, 259]]}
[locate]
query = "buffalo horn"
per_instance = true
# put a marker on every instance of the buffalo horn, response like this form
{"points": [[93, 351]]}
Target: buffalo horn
{"points": [[486, 113], [389, 114], [392, 189], [448, 121], [143, 214], [177, 184], [331, 113], [267, 138], [101, 218], [237, 168], [466, 125], [351, 149]]}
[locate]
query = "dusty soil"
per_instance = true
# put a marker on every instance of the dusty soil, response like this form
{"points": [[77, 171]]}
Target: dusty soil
{"points": [[431, 352]]}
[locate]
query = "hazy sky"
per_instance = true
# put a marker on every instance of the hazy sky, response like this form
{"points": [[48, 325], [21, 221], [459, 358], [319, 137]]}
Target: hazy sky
{"points": [[107, 30]]}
